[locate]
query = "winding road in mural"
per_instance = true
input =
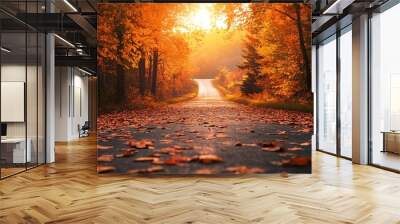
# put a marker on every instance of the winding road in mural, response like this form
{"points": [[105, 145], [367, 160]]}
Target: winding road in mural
{"points": [[205, 135]]}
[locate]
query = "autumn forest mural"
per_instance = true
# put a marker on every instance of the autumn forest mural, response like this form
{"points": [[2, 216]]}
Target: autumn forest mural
{"points": [[204, 88]]}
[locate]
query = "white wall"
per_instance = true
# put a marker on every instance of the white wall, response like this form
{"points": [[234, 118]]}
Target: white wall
{"points": [[62, 82], [71, 102], [14, 72], [80, 110], [33, 127]]}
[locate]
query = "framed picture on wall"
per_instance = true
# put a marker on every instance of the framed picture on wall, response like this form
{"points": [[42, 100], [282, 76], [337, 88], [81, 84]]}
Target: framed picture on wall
{"points": [[204, 88]]}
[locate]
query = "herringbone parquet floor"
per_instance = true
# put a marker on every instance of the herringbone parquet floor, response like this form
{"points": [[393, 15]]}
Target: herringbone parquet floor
{"points": [[70, 191]]}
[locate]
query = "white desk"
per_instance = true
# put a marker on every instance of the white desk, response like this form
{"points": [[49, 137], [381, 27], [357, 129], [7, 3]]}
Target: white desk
{"points": [[19, 153]]}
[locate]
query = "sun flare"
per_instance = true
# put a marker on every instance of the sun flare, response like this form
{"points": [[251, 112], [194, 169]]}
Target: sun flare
{"points": [[202, 17]]}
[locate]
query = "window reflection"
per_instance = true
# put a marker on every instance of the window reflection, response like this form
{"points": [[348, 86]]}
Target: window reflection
{"points": [[385, 85]]}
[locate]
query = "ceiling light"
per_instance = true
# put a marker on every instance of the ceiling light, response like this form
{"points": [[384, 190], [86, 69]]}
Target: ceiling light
{"points": [[79, 51], [337, 7], [331, 7], [65, 41], [84, 71], [5, 50], [70, 5]]}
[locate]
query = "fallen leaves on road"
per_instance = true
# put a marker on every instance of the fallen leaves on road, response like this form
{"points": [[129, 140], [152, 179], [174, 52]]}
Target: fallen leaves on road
{"points": [[142, 144], [200, 137], [221, 135], [281, 133], [279, 163], [145, 159], [103, 147], [208, 158], [298, 161], [305, 144], [295, 149], [125, 153], [166, 141], [271, 147], [174, 160], [105, 158], [204, 150], [105, 169], [169, 150], [250, 144]]}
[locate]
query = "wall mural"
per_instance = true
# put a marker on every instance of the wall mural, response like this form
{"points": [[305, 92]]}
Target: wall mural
{"points": [[211, 89]]}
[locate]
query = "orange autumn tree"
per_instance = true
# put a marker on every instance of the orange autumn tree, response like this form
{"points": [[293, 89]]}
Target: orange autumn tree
{"points": [[146, 51], [117, 47], [177, 71], [139, 54], [282, 31], [276, 50]]}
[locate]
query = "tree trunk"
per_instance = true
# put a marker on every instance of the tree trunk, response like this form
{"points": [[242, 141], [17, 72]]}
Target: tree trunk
{"points": [[142, 75], [154, 71], [148, 81], [120, 93], [120, 82], [174, 85], [101, 93], [306, 60]]}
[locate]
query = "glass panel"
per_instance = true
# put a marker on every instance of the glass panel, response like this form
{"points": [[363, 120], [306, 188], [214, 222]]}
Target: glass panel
{"points": [[31, 98], [346, 94], [385, 84], [23, 90], [41, 99], [327, 96], [13, 90], [32, 88]]}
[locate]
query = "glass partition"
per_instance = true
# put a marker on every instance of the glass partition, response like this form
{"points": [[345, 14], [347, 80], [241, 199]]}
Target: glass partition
{"points": [[326, 94], [346, 93], [41, 91], [31, 99], [385, 89], [22, 91], [14, 151]]}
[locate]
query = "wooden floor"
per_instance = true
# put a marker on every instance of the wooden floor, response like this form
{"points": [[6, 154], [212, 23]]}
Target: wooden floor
{"points": [[5, 172], [387, 159], [70, 191]]}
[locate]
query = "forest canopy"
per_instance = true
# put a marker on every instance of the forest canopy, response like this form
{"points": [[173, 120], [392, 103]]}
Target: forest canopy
{"points": [[150, 52]]}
